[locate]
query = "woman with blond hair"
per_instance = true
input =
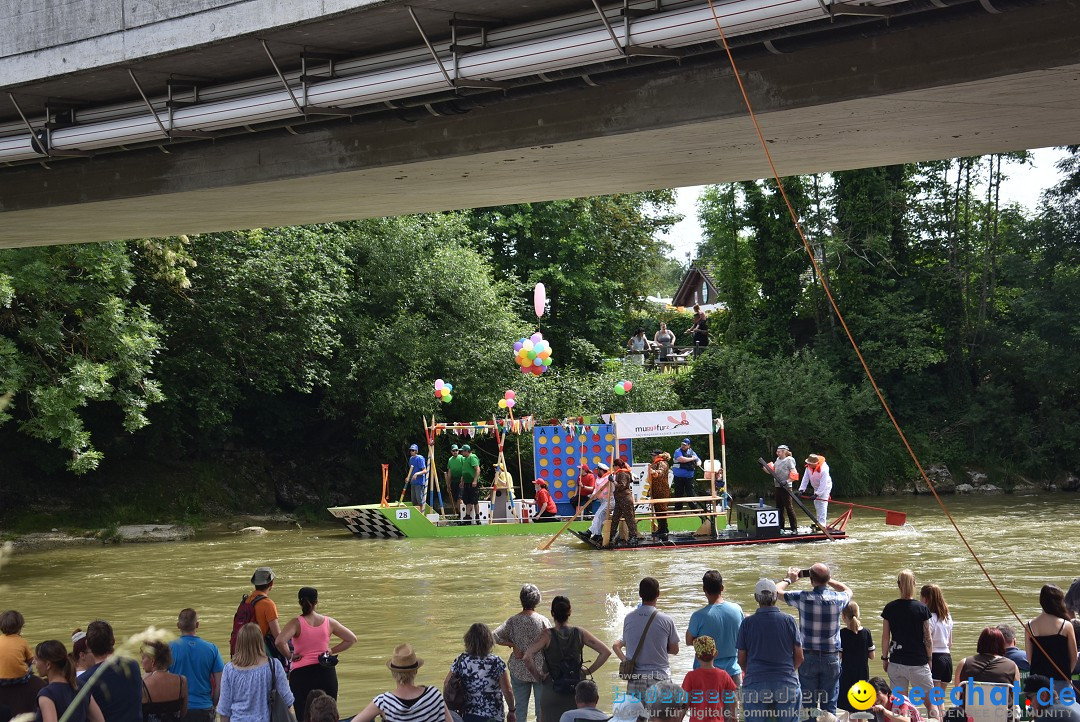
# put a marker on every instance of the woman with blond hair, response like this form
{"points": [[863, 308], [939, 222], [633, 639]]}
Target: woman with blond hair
{"points": [[247, 679], [408, 702], [905, 637], [856, 651], [941, 626]]}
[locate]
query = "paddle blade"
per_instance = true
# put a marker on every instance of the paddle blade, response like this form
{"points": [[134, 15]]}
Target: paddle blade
{"points": [[895, 518]]}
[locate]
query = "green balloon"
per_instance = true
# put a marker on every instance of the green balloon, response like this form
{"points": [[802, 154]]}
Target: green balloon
{"points": [[619, 390], [449, 397]]}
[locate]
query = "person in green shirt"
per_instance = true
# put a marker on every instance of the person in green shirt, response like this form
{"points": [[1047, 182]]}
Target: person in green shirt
{"points": [[454, 468], [470, 481]]}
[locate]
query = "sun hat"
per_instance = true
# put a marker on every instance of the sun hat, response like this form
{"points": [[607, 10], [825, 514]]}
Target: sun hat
{"points": [[603, 467], [262, 575], [765, 585], [414, 447], [705, 647], [453, 447], [404, 658], [813, 460]]}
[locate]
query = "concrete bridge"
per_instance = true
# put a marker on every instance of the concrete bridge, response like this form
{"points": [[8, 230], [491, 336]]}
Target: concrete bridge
{"points": [[836, 84]]}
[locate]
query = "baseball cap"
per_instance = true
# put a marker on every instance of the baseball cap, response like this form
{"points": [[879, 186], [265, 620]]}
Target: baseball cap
{"points": [[784, 447], [686, 441], [453, 447], [765, 585], [414, 447], [466, 447], [262, 575]]}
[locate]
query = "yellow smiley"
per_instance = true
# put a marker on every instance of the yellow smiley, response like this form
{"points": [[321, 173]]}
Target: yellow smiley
{"points": [[862, 695]]}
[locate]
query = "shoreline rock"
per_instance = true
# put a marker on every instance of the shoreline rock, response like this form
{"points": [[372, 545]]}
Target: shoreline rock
{"points": [[126, 534]]}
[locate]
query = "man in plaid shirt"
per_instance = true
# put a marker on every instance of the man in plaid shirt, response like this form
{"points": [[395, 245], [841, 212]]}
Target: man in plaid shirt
{"points": [[819, 622]]}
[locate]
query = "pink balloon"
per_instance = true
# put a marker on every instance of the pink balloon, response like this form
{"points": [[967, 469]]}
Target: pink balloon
{"points": [[536, 337], [628, 385], [438, 383], [539, 299], [509, 403], [511, 394]]}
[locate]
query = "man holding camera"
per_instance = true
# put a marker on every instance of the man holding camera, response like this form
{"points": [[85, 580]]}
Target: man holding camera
{"points": [[819, 621]]}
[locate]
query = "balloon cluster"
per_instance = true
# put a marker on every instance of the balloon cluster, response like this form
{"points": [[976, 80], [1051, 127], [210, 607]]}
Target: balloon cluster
{"points": [[444, 391], [533, 354], [508, 400], [622, 388]]}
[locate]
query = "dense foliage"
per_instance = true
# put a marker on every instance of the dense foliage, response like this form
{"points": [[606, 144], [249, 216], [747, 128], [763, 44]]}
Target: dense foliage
{"points": [[314, 348]]}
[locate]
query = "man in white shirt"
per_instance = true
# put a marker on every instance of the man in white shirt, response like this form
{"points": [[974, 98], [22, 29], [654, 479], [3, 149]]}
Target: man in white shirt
{"points": [[648, 644]]}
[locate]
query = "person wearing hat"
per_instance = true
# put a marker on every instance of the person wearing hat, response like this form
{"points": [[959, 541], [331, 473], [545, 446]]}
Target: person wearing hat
{"points": [[783, 472], [408, 702], [686, 461], [470, 485], [816, 475], [660, 488], [596, 529], [314, 660], [712, 691], [1049, 702], [623, 498], [586, 484], [266, 612], [770, 650], [501, 486], [417, 476], [455, 466], [545, 505]]}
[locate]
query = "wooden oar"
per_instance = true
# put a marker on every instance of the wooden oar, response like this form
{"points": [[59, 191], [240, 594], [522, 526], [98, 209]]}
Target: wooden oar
{"points": [[813, 518], [892, 517], [547, 545]]}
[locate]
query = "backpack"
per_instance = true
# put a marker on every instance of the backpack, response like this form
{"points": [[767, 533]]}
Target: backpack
{"points": [[245, 614], [566, 670]]}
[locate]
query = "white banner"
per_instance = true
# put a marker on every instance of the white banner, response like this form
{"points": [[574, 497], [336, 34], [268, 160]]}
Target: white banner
{"points": [[663, 423]]}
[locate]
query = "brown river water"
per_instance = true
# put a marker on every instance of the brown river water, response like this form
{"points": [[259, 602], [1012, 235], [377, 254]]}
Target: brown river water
{"points": [[427, 592]]}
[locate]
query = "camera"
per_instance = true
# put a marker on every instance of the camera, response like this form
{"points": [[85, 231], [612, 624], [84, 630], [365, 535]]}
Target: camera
{"points": [[803, 573]]}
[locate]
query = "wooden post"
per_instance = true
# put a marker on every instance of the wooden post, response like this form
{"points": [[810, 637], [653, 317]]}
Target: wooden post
{"points": [[712, 477], [723, 464]]}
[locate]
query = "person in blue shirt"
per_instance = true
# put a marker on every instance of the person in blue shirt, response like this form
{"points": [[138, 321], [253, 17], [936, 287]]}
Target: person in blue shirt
{"points": [[770, 650], [719, 619], [417, 476], [684, 461], [200, 662]]}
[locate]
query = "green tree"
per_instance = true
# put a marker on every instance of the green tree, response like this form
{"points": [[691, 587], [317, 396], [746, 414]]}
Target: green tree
{"points": [[598, 257], [726, 248], [71, 341]]}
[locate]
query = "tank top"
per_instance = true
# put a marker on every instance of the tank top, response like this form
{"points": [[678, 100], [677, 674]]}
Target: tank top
{"points": [[1057, 649], [664, 338], [167, 711], [565, 646], [62, 695], [310, 642]]}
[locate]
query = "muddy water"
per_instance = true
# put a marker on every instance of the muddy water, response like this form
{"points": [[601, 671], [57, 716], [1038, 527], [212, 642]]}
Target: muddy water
{"points": [[428, 592]]}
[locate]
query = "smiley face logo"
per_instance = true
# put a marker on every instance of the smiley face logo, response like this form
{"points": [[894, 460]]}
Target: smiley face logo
{"points": [[862, 695]]}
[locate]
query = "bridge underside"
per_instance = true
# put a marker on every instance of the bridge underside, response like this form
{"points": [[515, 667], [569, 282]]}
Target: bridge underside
{"points": [[984, 83]]}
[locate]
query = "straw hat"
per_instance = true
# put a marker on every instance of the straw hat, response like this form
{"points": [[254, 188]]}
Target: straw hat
{"points": [[404, 658], [813, 460]]}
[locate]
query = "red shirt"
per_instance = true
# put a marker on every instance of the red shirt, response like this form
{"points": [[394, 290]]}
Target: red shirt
{"points": [[709, 689], [544, 502], [586, 483]]}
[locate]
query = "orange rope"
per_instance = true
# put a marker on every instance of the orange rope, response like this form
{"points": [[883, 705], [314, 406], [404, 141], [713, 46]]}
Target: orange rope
{"points": [[847, 332]]}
